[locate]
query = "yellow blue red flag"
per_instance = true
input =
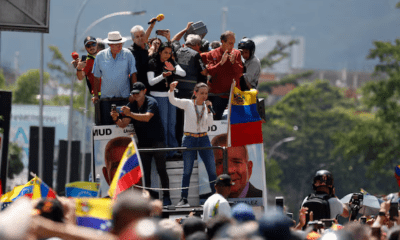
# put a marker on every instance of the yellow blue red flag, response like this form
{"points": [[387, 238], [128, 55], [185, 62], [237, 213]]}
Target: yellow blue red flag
{"points": [[94, 213], [128, 173], [244, 120], [82, 189], [33, 189]]}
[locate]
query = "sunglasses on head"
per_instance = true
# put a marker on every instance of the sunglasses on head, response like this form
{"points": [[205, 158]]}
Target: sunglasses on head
{"points": [[92, 44]]}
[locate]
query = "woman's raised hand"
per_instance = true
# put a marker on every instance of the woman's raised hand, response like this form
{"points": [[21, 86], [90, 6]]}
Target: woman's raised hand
{"points": [[169, 66], [172, 86]]}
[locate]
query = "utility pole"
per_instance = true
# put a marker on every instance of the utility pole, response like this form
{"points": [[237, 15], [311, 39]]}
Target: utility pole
{"points": [[224, 13]]}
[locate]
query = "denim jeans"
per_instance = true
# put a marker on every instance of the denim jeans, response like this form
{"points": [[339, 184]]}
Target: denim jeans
{"points": [[219, 105], [188, 160], [168, 118]]}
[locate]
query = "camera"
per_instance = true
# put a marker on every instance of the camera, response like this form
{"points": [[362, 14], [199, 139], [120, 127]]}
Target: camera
{"points": [[363, 220], [113, 107], [161, 32], [355, 204], [356, 199], [83, 58], [327, 222]]}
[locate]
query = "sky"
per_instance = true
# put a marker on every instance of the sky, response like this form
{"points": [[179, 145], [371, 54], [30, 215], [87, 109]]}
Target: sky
{"points": [[338, 34]]}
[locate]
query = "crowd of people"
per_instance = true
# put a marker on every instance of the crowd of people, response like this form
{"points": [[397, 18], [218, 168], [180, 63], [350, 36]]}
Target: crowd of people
{"points": [[136, 216], [156, 84], [137, 85]]}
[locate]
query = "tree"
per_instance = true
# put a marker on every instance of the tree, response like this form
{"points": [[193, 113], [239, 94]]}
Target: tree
{"points": [[27, 87], [277, 54], [315, 113], [62, 68], [2, 80], [15, 165]]}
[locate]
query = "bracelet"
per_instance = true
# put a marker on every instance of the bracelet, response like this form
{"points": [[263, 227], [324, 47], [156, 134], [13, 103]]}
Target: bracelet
{"points": [[381, 214], [79, 70]]}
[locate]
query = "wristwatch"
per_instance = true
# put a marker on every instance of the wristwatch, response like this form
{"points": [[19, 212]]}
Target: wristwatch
{"points": [[381, 214]]}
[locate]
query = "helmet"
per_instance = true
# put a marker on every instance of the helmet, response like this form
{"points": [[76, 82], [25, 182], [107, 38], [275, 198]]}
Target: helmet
{"points": [[323, 176], [247, 43]]}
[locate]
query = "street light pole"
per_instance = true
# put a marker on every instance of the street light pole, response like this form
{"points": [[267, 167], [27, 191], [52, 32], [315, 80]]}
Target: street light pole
{"points": [[272, 150]]}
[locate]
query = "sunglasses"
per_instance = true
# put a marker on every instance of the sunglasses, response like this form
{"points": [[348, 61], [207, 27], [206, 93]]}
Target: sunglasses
{"points": [[93, 44]]}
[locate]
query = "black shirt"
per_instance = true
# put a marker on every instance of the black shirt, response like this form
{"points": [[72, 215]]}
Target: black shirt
{"points": [[150, 132], [156, 66], [142, 60]]}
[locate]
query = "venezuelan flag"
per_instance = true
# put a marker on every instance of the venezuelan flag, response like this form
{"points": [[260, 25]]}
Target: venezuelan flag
{"points": [[82, 189], [244, 120], [364, 192], [128, 172], [33, 189], [397, 170], [94, 213]]}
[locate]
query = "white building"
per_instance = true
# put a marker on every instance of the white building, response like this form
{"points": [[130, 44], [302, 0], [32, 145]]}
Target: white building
{"points": [[265, 44]]}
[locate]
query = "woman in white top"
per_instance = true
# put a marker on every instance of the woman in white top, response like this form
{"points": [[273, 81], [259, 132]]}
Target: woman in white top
{"points": [[161, 72], [196, 122]]}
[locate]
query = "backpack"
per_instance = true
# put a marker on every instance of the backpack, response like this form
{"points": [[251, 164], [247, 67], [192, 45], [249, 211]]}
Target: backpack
{"points": [[319, 205]]}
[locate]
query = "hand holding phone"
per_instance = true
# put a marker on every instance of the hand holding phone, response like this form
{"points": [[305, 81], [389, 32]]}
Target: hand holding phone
{"points": [[393, 210]]}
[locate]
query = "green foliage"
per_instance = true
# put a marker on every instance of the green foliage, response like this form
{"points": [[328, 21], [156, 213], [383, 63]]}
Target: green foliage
{"points": [[388, 55], [273, 174], [28, 86], [398, 5], [277, 54], [59, 64], [316, 114], [63, 69], [289, 79], [2, 80], [15, 165]]}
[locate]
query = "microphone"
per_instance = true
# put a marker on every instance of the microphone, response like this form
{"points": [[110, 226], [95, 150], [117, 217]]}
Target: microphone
{"points": [[75, 56], [159, 18], [211, 109]]}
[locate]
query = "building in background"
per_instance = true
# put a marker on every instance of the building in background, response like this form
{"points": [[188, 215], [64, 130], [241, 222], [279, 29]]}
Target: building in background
{"points": [[266, 43], [24, 116]]}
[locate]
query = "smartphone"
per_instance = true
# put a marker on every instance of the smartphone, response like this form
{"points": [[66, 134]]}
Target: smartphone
{"points": [[393, 210], [83, 58], [279, 202], [363, 220], [160, 32], [113, 107]]}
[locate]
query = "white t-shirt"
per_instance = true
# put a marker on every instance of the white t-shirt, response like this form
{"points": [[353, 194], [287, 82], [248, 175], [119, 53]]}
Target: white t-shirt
{"points": [[335, 205], [216, 205]]}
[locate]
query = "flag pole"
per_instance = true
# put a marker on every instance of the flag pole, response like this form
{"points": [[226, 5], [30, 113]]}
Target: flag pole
{"points": [[229, 113]]}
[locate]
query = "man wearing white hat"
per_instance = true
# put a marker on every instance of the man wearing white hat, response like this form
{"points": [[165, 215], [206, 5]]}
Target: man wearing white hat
{"points": [[116, 68]]}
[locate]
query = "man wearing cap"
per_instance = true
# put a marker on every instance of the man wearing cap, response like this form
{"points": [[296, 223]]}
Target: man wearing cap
{"points": [[84, 67], [142, 111], [218, 204], [116, 68]]}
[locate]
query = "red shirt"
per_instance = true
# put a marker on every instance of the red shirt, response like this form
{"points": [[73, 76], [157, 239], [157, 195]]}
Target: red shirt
{"points": [[223, 75], [89, 75]]}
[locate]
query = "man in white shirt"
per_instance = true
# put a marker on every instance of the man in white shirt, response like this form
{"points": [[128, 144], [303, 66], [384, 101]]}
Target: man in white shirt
{"points": [[217, 204]]}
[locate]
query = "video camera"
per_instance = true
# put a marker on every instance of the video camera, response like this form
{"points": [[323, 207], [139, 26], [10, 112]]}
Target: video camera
{"points": [[355, 204]]}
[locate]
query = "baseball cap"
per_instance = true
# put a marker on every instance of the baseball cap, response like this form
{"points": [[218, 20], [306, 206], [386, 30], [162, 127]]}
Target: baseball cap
{"points": [[89, 39], [224, 180], [243, 212], [137, 87]]}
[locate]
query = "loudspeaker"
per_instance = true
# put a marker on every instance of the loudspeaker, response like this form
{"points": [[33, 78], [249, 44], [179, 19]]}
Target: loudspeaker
{"points": [[5, 112], [48, 153], [62, 165]]}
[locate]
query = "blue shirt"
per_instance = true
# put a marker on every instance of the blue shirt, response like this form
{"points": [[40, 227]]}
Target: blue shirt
{"points": [[114, 73]]}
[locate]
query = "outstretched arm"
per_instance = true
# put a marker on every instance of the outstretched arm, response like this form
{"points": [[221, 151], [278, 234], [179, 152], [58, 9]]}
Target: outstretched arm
{"points": [[149, 29], [180, 34]]}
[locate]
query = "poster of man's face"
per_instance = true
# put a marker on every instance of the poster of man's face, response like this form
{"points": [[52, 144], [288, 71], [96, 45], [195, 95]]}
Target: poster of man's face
{"points": [[245, 167]]}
